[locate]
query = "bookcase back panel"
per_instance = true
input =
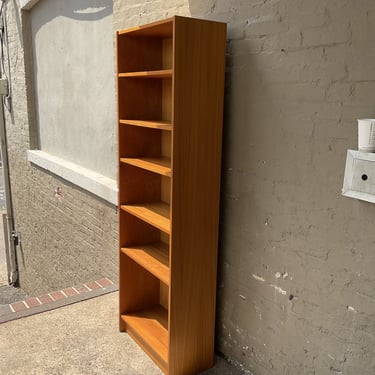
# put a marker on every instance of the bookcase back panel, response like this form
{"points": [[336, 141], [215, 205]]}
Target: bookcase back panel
{"points": [[139, 185], [145, 291], [137, 141], [134, 231]]}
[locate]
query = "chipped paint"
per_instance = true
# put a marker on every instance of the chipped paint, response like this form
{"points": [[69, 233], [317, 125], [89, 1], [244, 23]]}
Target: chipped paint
{"points": [[258, 311], [284, 275], [259, 278], [278, 289]]}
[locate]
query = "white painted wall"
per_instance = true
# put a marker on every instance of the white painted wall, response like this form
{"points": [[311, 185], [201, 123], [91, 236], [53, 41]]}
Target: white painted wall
{"points": [[73, 53]]}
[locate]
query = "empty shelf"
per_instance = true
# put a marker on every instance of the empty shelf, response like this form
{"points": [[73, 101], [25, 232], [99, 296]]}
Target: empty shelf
{"points": [[149, 328], [157, 165], [166, 73], [162, 125], [156, 214], [153, 257]]}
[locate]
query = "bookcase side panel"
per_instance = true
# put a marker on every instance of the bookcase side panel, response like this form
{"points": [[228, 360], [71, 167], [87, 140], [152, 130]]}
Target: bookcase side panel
{"points": [[199, 63]]}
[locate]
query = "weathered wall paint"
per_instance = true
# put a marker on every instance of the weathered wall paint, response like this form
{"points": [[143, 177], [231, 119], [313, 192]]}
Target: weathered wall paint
{"points": [[296, 283], [73, 58], [67, 238], [296, 287]]}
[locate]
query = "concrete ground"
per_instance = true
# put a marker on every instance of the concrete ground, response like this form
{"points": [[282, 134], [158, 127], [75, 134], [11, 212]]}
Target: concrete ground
{"points": [[10, 294], [78, 339]]}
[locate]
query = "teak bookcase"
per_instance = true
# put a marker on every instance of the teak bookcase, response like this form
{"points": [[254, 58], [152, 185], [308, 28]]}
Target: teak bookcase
{"points": [[170, 104]]}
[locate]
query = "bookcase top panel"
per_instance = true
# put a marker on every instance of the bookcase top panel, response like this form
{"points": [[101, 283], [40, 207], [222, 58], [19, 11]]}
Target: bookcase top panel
{"points": [[159, 29]]}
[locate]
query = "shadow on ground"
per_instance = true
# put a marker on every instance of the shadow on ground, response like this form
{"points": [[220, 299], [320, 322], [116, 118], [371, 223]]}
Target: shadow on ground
{"points": [[78, 339], [10, 294]]}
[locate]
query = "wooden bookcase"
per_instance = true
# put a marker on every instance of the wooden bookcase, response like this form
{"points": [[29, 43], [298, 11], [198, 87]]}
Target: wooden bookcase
{"points": [[170, 103]]}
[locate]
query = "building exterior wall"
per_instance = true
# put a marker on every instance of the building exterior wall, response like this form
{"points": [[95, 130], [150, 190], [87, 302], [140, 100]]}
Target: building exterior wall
{"points": [[64, 241], [296, 284], [296, 281], [73, 59]]}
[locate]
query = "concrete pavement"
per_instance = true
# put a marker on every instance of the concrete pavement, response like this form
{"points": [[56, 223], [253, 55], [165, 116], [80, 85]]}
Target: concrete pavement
{"points": [[78, 339], [10, 294]]}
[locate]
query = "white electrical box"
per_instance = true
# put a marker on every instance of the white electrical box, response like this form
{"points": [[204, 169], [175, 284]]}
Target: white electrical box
{"points": [[359, 179]]}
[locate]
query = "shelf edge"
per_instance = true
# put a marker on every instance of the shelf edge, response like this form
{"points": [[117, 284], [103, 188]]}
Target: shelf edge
{"points": [[156, 267]]}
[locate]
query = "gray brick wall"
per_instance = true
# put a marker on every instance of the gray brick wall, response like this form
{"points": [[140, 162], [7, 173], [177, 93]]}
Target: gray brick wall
{"points": [[296, 281], [63, 243]]}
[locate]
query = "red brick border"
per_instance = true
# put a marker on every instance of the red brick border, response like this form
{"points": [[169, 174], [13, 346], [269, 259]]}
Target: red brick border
{"points": [[58, 295]]}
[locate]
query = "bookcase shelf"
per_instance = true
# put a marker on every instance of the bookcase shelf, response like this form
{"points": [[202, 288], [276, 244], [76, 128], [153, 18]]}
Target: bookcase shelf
{"points": [[156, 214], [149, 327], [166, 73], [153, 257], [162, 125], [158, 165], [170, 86]]}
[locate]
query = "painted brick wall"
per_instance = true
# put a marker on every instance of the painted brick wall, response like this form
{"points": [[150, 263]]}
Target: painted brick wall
{"points": [[296, 288], [296, 283], [63, 243]]}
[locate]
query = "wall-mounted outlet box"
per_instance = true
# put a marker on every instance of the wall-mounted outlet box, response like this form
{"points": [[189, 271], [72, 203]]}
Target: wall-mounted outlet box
{"points": [[359, 179]]}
